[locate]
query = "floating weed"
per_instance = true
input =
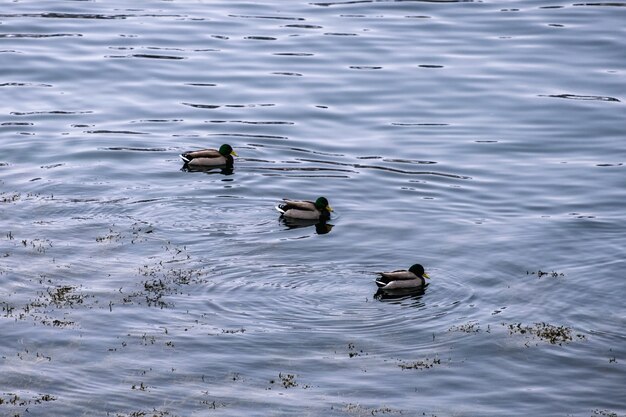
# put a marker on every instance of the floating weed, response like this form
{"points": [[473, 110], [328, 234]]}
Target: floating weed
{"points": [[211, 405], [38, 245], [471, 327], [352, 351], [421, 364], [547, 332], [14, 400], [164, 279], [287, 381], [64, 296], [605, 413], [9, 197], [540, 273], [366, 411], [110, 237], [229, 331], [39, 309], [153, 413], [140, 387]]}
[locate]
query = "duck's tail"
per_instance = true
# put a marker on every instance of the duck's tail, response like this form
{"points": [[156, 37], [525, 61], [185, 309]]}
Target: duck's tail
{"points": [[184, 158], [380, 282], [280, 209]]}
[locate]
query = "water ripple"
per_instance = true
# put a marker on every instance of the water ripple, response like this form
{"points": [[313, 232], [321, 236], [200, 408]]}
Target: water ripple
{"points": [[579, 97]]}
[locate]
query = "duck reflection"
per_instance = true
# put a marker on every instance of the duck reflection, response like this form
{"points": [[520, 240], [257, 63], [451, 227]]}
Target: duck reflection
{"points": [[224, 170], [321, 226], [399, 294]]}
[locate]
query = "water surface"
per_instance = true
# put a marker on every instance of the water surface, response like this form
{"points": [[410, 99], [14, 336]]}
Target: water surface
{"points": [[483, 140]]}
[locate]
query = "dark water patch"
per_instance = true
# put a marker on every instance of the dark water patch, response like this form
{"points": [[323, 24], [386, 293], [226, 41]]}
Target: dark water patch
{"points": [[53, 15], [430, 66], [304, 26], [249, 122], [114, 132], [293, 54], [610, 165], [157, 121], [288, 74], [135, 149], [351, 2], [419, 124], [52, 166], [147, 56], [307, 169], [267, 17], [25, 85], [261, 38], [400, 171], [364, 67], [16, 124], [217, 106], [603, 4], [409, 161], [52, 112], [38, 35], [201, 84], [246, 135], [309, 151], [339, 34], [579, 97]]}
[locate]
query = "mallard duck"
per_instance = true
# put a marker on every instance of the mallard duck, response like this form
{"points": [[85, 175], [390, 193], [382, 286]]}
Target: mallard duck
{"points": [[210, 157], [413, 278], [305, 210]]}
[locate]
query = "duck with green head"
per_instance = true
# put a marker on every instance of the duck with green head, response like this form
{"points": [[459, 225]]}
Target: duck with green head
{"points": [[305, 210], [413, 278], [210, 157]]}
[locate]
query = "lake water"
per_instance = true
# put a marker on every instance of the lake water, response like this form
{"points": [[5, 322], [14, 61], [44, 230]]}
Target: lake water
{"points": [[485, 140]]}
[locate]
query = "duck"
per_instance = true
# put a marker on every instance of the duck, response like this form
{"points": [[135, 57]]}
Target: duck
{"points": [[210, 157], [305, 210], [414, 277]]}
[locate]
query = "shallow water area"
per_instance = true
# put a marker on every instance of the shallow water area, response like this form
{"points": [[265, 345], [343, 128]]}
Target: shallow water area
{"points": [[482, 140]]}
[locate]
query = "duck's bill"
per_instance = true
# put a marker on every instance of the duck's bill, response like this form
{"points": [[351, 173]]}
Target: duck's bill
{"points": [[426, 275], [329, 208], [233, 153]]}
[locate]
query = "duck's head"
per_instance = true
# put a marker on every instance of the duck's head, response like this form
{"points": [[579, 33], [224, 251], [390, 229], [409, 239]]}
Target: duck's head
{"points": [[418, 270], [322, 204], [226, 150]]}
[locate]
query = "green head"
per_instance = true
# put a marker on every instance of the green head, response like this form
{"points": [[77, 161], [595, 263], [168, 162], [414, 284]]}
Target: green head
{"points": [[226, 150], [418, 270], [322, 204]]}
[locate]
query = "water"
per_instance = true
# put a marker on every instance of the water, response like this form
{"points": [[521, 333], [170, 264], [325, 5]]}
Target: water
{"points": [[483, 140]]}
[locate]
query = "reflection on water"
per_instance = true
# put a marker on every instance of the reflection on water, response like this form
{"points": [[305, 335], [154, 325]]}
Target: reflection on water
{"points": [[224, 170], [401, 294], [322, 227]]}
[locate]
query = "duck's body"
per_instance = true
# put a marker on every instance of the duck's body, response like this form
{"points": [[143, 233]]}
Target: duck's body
{"points": [[210, 157], [305, 210], [414, 277]]}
